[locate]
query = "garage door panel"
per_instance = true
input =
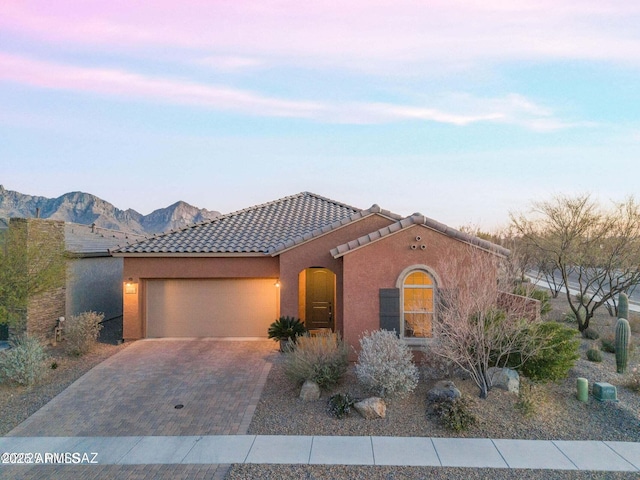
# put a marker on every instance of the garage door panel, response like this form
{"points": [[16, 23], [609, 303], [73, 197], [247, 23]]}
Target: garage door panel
{"points": [[210, 308]]}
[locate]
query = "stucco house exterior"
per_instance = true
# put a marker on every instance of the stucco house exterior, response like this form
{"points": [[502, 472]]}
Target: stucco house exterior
{"points": [[333, 265]]}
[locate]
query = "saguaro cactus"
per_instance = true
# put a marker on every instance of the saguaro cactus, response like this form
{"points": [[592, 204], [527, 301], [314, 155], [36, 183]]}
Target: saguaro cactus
{"points": [[623, 336], [623, 306]]}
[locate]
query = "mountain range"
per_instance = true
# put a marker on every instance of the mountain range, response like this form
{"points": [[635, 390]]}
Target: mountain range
{"points": [[84, 208]]}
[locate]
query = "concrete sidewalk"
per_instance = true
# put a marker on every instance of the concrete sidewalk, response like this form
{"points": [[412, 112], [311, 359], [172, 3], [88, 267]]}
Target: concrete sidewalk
{"points": [[394, 451]]}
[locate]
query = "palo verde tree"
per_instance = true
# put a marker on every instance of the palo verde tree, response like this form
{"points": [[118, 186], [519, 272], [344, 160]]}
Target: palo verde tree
{"points": [[31, 262], [593, 250]]}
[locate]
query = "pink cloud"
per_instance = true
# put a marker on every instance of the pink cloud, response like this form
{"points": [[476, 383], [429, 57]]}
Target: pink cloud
{"points": [[365, 34]]}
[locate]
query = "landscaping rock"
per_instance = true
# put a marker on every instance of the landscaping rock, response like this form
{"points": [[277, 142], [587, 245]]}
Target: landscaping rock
{"points": [[310, 391], [505, 379], [371, 408], [444, 390]]}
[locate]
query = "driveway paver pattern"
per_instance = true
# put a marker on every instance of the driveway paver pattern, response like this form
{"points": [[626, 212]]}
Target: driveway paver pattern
{"points": [[135, 392]]}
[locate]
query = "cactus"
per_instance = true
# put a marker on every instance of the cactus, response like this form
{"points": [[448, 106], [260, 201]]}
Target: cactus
{"points": [[623, 306], [623, 335]]}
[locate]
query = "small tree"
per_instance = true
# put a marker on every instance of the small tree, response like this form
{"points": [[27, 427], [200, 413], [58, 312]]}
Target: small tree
{"points": [[597, 250], [470, 330], [30, 264]]}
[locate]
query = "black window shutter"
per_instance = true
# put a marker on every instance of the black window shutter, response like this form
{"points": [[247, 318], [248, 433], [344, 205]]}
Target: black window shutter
{"points": [[390, 309]]}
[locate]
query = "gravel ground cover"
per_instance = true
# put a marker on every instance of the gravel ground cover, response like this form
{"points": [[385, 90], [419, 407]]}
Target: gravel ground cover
{"points": [[559, 416], [17, 403]]}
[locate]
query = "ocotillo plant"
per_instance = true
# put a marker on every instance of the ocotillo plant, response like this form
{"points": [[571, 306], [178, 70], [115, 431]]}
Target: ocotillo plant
{"points": [[623, 306], [623, 337]]}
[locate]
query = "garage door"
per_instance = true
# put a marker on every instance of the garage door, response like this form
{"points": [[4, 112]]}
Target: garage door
{"points": [[210, 308]]}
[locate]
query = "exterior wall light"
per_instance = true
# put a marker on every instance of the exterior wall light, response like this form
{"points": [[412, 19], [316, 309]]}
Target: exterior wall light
{"points": [[130, 287], [277, 284]]}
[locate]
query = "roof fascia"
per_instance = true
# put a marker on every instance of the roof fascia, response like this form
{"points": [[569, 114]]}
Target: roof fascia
{"points": [[189, 254]]}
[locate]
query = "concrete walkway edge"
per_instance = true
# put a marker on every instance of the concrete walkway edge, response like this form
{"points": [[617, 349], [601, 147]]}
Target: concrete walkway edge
{"points": [[322, 450]]}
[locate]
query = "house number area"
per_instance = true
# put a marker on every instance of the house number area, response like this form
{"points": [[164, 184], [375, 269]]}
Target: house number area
{"points": [[69, 458]]}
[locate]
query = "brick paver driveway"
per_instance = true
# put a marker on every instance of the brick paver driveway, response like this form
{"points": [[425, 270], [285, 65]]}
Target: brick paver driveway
{"points": [[135, 392]]}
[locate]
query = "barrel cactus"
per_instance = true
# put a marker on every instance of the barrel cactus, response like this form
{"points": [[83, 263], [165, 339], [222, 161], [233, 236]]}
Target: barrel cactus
{"points": [[623, 306], [623, 337]]}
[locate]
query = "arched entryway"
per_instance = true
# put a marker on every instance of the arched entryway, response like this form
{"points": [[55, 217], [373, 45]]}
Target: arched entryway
{"points": [[317, 298]]}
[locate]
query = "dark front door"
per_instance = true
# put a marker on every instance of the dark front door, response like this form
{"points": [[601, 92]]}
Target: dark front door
{"points": [[320, 289]]}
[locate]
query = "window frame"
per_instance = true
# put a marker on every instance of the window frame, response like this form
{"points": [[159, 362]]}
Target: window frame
{"points": [[400, 284]]}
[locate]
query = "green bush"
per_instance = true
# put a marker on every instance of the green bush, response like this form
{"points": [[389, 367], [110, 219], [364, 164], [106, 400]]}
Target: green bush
{"points": [[455, 414], [541, 295], [557, 355], [591, 334], [340, 404], [385, 364], [81, 332], [594, 355], [608, 344], [322, 359], [25, 362]]}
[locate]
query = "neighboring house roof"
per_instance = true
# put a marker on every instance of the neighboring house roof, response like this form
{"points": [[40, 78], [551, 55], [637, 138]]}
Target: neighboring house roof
{"points": [[90, 241], [416, 219], [259, 229]]}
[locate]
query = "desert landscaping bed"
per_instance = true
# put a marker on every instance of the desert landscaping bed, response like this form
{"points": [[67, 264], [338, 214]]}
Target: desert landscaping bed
{"points": [[17, 403]]}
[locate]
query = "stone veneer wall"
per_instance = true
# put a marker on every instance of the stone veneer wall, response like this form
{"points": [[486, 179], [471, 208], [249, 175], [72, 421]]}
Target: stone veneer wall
{"points": [[43, 310]]}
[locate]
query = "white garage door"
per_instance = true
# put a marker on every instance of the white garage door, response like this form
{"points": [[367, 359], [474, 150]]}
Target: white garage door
{"points": [[210, 308]]}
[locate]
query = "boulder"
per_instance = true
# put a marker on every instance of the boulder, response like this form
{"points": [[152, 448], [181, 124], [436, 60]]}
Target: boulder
{"points": [[444, 390], [310, 391], [371, 408], [505, 379]]}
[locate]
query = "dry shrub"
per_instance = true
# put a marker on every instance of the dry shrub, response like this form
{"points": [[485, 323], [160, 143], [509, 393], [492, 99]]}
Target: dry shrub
{"points": [[24, 362], [81, 332], [321, 358]]}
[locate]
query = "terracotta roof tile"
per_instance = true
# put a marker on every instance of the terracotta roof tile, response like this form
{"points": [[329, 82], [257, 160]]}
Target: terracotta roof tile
{"points": [[417, 219]]}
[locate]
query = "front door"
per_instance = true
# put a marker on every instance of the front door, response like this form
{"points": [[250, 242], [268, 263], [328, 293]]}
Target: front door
{"points": [[320, 289]]}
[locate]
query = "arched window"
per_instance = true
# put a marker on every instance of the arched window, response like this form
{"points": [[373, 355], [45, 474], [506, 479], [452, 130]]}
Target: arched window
{"points": [[418, 305]]}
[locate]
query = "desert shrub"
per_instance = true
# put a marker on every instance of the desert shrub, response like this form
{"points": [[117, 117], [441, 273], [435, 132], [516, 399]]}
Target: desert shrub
{"points": [[594, 355], [286, 328], [385, 364], [608, 344], [322, 359], [455, 414], [541, 295], [81, 332], [591, 334], [556, 355], [634, 380], [531, 397], [339, 405], [25, 362]]}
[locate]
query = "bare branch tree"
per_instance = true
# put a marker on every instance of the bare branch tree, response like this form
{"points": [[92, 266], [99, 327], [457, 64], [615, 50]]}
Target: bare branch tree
{"points": [[597, 250], [470, 330]]}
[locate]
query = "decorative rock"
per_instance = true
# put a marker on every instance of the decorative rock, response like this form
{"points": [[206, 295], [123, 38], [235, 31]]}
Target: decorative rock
{"points": [[505, 378], [444, 390], [310, 391], [371, 408]]}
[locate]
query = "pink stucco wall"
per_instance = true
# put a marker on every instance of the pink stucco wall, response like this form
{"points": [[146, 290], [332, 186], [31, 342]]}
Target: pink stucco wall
{"points": [[379, 265], [315, 253]]}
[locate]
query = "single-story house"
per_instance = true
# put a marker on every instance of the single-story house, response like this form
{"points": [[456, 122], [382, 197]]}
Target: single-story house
{"points": [[332, 265]]}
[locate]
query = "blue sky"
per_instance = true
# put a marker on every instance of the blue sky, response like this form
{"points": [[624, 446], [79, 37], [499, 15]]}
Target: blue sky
{"points": [[462, 110]]}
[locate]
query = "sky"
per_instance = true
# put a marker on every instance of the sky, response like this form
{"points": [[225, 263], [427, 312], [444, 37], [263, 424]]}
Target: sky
{"points": [[463, 110]]}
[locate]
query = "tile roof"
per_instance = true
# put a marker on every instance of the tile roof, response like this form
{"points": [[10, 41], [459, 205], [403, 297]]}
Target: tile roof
{"points": [[417, 219], [259, 229], [327, 228], [87, 240]]}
